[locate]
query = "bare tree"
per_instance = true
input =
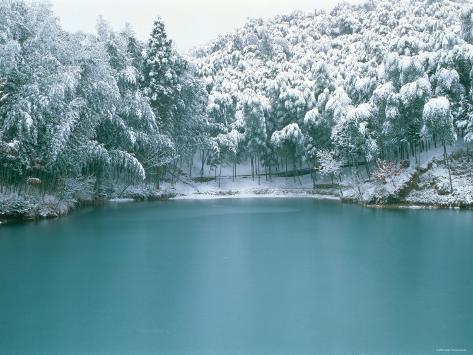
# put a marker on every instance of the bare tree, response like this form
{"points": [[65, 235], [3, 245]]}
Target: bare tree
{"points": [[385, 172]]}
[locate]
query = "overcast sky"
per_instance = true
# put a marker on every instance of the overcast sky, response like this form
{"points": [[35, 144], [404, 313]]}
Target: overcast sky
{"points": [[189, 22]]}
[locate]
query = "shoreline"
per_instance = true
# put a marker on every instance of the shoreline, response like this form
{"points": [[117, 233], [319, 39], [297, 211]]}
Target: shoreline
{"points": [[253, 195], [321, 197], [230, 194], [420, 186]]}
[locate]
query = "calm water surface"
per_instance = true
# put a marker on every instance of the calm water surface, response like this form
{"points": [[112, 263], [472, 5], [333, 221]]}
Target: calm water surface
{"points": [[258, 276]]}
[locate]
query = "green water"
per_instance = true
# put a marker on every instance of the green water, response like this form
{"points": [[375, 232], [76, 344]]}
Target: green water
{"points": [[238, 277]]}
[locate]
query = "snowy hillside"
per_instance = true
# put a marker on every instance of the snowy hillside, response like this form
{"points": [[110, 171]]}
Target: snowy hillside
{"points": [[356, 95], [356, 80]]}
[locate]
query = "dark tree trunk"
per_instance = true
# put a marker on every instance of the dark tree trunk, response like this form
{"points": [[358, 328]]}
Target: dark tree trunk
{"points": [[448, 166]]}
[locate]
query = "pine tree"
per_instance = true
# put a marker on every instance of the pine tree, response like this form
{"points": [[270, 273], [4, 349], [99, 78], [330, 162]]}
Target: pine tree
{"points": [[160, 76]]}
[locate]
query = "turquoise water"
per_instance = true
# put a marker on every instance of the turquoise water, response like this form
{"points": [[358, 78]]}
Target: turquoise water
{"points": [[257, 276]]}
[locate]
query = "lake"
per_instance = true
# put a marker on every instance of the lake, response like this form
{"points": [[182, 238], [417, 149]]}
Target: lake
{"points": [[249, 276]]}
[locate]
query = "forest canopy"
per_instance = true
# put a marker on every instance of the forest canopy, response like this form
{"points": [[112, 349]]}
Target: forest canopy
{"points": [[366, 83]]}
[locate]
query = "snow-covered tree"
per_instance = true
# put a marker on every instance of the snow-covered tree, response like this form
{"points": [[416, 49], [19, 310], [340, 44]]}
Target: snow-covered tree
{"points": [[358, 81], [438, 125], [253, 111], [290, 141], [353, 136], [438, 121], [467, 24], [316, 134], [357, 54], [3, 96], [176, 94], [73, 104], [161, 77], [37, 61], [385, 171], [221, 109], [329, 165]]}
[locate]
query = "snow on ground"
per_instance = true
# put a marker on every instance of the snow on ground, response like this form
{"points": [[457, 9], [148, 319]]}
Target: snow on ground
{"points": [[432, 187], [32, 206], [246, 185], [420, 185], [423, 183], [255, 195], [248, 188], [121, 200]]}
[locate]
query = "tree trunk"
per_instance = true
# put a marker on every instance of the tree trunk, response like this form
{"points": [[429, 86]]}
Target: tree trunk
{"points": [[191, 165], [313, 177], [294, 163], [203, 164], [340, 185], [448, 166], [367, 167], [258, 171], [286, 165]]}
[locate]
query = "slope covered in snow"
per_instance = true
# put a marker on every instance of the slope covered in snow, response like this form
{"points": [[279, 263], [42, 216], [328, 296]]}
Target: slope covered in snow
{"points": [[371, 102], [365, 81]]}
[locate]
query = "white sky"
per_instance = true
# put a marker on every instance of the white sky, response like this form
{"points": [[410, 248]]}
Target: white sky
{"points": [[189, 22]]}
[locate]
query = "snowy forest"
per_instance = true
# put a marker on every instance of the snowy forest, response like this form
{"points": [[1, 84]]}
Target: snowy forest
{"points": [[362, 88]]}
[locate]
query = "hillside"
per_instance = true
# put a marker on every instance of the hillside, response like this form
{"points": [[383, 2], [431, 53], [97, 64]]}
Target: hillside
{"points": [[356, 80], [347, 97], [379, 82]]}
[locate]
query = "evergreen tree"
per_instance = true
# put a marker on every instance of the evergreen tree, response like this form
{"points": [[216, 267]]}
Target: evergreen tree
{"points": [[161, 76]]}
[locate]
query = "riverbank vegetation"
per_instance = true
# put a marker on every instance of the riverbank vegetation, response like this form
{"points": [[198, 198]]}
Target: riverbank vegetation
{"points": [[357, 93]]}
